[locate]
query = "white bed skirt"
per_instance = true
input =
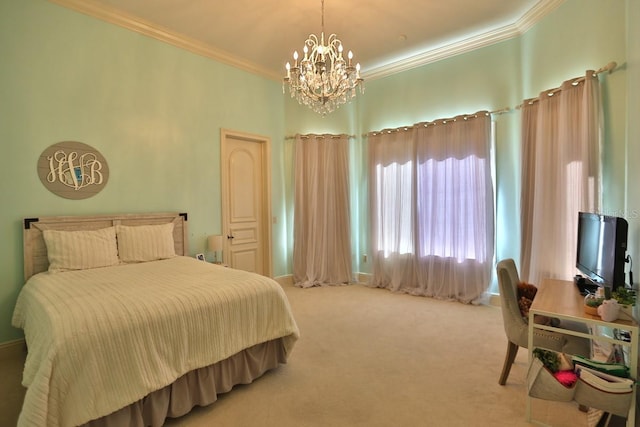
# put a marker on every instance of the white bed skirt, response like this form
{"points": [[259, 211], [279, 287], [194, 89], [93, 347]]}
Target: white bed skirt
{"points": [[197, 388]]}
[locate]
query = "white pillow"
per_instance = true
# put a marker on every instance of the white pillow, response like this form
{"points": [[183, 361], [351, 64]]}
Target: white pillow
{"points": [[79, 250], [145, 242]]}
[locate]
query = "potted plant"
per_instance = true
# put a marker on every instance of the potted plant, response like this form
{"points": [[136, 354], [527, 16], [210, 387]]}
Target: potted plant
{"points": [[591, 304], [626, 297]]}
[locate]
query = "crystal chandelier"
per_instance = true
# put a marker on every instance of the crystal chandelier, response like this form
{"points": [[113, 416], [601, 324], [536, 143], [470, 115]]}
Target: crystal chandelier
{"points": [[323, 80]]}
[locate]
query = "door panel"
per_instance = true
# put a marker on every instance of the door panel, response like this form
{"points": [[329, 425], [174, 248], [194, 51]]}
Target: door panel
{"points": [[245, 260], [246, 202]]}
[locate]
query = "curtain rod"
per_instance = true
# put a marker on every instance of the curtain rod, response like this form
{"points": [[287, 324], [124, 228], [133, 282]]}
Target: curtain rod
{"points": [[434, 122], [326, 135], [610, 67]]}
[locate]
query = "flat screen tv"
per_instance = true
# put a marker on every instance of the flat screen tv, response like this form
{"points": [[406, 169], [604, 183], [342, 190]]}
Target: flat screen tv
{"points": [[602, 246]]}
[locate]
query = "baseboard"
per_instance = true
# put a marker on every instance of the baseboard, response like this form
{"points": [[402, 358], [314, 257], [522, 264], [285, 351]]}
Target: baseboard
{"points": [[284, 280], [12, 349], [494, 300]]}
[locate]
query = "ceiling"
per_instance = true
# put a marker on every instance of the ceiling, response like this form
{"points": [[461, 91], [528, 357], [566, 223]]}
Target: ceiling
{"points": [[386, 36]]}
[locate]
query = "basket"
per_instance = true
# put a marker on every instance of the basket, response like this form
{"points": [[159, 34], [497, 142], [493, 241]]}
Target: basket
{"points": [[593, 397], [543, 385]]}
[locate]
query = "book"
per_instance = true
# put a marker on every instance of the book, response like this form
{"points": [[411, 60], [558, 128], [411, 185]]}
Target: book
{"points": [[617, 369], [603, 381]]}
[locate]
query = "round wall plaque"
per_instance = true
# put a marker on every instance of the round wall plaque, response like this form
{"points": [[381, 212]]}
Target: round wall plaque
{"points": [[73, 170]]}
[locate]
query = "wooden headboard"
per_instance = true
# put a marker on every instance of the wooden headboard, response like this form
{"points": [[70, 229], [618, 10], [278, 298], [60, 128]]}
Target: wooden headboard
{"points": [[35, 250]]}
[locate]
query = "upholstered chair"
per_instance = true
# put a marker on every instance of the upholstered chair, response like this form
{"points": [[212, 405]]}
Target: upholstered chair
{"points": [[517, 329]]}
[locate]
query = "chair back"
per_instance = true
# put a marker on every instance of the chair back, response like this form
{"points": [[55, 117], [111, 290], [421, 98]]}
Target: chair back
{"points": [[514, 325]]}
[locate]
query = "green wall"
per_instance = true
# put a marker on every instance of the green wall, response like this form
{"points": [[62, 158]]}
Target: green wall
{"points": [[632, 143], [155, 112], [582, 35], [578, 35]]}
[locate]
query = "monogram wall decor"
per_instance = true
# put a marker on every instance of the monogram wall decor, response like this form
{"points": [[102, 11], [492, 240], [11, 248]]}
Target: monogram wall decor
{"points": [[73, 170]]}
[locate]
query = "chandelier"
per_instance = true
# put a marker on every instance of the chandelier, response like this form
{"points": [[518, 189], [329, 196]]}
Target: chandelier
{"points": [[323, 80]]}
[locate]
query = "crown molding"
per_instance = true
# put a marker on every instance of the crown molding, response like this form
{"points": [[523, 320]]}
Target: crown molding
{"points": [[149, 29], [443, 52], [528, 20], [113, 16], [536, 13]]}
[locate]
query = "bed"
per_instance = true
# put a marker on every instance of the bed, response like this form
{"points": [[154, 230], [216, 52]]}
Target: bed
{"points": [[131, 337]]}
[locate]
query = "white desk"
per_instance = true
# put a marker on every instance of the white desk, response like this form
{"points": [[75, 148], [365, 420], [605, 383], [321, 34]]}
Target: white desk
{"points": [[561, 299]]}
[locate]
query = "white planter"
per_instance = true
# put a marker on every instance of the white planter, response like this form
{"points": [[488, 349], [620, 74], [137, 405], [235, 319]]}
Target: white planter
{"points": [[626, 312]]}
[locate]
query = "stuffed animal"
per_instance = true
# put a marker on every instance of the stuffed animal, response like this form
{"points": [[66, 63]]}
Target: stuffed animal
{"points": [[527, 290], [526, 293]]}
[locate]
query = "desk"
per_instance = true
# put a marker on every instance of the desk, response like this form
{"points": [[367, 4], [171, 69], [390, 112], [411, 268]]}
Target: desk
{"points": [[561, 299]]}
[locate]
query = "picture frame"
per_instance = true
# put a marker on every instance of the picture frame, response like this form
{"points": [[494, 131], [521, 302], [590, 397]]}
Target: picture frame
{"points": [[200, 257]]}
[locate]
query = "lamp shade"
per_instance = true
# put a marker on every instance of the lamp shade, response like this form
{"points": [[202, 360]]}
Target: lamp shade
{"points": [[214, 243]]}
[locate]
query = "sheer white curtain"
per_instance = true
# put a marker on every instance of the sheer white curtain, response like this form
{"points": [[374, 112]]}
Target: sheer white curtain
{"points": [[431, 209], [561, 137], [321, 220]]}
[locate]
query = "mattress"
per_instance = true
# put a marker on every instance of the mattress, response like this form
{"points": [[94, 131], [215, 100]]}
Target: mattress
{"points": [[103, 338]]}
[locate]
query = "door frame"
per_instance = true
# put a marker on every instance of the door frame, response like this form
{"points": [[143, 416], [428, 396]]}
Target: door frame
{"points": [[265, 145]]}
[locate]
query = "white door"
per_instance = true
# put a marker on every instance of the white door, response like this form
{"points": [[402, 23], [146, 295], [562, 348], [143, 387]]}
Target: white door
{"points": [[246, 201]]}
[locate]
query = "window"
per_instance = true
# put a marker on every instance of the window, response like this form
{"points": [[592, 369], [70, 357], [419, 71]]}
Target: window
{"points": [[432, 208]]}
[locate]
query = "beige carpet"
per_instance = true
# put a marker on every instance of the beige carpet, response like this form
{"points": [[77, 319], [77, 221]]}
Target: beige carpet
{"points": [[369, 357]]}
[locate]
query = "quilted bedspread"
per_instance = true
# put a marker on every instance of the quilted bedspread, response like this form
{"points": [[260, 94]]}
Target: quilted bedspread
{"points": [[104, 338]]}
